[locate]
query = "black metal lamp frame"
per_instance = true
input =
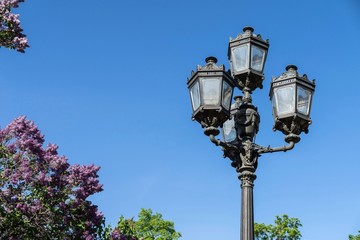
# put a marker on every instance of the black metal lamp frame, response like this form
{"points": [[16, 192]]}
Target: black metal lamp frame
{"points": [[243, 151]]}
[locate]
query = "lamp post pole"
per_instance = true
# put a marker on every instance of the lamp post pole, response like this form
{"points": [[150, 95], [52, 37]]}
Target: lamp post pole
{"points": [[211, 89], [247, 177]]}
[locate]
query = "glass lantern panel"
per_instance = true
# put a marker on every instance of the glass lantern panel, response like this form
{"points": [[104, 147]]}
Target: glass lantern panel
{"points": [[284, 100], [229, 131], [239, 58], [210, 91], [257, 58], [226, 95], [195, 96], [273, 103], [303, 100]]}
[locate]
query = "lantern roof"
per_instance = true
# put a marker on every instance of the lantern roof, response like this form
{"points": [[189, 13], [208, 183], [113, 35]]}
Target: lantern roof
{"points": [[291, 72], [210, 66], [247, 35]]}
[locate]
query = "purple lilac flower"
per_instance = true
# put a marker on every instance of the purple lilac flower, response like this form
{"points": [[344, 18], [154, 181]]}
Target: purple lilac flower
{"points": [[39, 190], [11, 32]]}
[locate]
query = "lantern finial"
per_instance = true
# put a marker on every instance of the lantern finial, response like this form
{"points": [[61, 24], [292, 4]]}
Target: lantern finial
{"points": [[211, 59], [248, 29], [291, 67]]}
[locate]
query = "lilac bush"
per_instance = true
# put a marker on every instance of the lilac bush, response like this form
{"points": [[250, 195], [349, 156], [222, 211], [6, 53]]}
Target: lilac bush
{"points": [[11, 34], [42, 196]]}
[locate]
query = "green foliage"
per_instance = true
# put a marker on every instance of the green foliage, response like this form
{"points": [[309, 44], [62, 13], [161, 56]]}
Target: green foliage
{"points": [[261, 231], [285, 228], [149, 226], [355, 237], [127, 227]]}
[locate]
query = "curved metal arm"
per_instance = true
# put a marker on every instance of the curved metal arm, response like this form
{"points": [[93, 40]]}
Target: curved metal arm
{"points": [[268, 149], [291, 139], [230, 151], [217, 142]]}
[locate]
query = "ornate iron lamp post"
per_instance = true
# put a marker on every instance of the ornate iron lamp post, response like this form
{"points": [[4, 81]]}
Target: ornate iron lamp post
{"points": [[211, 89]]}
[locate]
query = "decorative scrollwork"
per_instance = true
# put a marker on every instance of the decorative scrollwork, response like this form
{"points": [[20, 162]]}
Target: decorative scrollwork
{"points": [[295, 127], [209, 122], [279, 125], [232, 152], [210, 66], [242, 151], [286, 75], [291, 72], [292, 125], [247, 179], [248, 156], [248, 34]]}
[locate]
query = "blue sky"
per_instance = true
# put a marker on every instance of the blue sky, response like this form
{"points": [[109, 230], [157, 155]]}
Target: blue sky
{"points": [[106, 81]]}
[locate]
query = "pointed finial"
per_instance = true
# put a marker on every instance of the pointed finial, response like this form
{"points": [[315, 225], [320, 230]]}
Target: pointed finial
{"points": [[291, 67], [248, 29], [211, 59]]}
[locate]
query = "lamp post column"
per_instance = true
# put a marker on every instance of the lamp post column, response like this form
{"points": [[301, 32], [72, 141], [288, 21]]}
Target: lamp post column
{"points": [[247, 177], [247, 121]]}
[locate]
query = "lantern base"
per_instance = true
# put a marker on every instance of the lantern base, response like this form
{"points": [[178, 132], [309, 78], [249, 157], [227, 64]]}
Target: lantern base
{"points": [[292, 125], [292, 138], [249, 79], [211, 117], [211, 131]]}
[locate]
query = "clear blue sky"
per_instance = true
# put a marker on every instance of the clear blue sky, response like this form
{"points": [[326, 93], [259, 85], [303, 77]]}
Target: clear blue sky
{"points": [[106, 81]]}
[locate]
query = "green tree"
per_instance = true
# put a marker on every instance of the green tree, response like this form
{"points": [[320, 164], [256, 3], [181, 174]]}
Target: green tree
{"points": [[149, 226], [355, 237], [285, 228]]}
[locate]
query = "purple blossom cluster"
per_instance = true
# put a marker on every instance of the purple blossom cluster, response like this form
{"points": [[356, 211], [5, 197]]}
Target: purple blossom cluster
{"points": [[116, 235], [41, 195], [11, 34]]}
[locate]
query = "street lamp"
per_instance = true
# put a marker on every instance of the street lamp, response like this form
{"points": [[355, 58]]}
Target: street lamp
{"points": [[211, 89]]}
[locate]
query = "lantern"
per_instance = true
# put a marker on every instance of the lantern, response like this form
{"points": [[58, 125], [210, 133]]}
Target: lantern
{"points": [[291, 96], [211, 89], [247, 55], [229, 130]]}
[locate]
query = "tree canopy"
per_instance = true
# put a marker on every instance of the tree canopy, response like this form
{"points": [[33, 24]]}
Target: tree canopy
{"points": [[285, 228], [148, 226], [355, 237]]}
